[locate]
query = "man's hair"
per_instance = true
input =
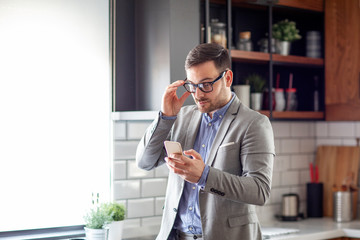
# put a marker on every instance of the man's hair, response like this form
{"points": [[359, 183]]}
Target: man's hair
{"points": [[208, 52]]}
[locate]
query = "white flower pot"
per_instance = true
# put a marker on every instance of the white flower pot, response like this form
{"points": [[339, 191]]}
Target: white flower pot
{"points": [[256, 99], [96, 234], [243, 93], [284, 47], [116, 230]]}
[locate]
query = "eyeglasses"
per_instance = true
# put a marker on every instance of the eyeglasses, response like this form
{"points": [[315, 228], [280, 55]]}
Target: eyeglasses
{"points": [[205, 87]]}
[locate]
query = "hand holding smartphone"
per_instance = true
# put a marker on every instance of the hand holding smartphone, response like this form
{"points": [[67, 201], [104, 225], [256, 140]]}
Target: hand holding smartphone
{"points": [[172, 147]]}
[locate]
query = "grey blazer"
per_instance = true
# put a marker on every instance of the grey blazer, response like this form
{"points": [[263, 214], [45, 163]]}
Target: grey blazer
{"points": [[241, 162]]}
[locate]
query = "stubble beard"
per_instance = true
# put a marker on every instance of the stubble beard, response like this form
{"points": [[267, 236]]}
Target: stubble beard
{"points": [[208, 107]]}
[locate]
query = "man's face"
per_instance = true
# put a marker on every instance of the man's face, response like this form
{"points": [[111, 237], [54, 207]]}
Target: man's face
{"points": [[221, 93]]}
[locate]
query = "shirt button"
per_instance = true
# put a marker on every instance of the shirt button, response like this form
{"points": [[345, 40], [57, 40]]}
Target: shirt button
{"points": [[209, 124], [190, 208], [220, 116], [175, 210], [194, 188], [203, 145], [190, 228]]}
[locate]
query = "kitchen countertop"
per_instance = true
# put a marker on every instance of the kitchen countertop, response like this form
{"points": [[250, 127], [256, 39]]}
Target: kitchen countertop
{"points": [[317, 228], [309, 229]]}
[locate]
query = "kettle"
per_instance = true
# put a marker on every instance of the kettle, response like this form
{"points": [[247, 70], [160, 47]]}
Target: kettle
{"points": [[290, 207]]}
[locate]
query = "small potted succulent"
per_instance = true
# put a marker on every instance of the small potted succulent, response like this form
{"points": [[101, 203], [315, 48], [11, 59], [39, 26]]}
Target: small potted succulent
{"points": [[117, 213], [257, 84], [285, 32]]}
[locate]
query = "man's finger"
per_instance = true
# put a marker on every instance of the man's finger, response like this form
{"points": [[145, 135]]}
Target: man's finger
{"points": [[193, 153]]}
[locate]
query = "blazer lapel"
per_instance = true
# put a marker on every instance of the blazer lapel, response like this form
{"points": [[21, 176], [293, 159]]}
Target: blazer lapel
{"points": [[192, 129], [225, 124]]}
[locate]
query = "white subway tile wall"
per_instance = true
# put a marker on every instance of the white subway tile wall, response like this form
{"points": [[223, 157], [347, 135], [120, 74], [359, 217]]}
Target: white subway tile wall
{"points": [[153, 187], [341, 129], [144, 207], [119, 170], [143, 192]]}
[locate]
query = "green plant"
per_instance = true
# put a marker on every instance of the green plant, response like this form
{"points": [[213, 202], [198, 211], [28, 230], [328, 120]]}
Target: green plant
{"points": [[285, 30], [256, 82], [97, 218], [115, 210]]}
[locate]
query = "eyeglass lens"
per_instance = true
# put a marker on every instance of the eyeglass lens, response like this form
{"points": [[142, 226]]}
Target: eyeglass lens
{"points": [[205, 87]]}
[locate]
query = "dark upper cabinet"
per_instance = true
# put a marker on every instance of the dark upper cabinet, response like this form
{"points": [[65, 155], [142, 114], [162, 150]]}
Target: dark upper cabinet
{"points": [[258, 17]]}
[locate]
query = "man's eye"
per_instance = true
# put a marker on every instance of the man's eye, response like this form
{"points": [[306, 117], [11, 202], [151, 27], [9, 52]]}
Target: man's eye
{"points": [[205, 85]]}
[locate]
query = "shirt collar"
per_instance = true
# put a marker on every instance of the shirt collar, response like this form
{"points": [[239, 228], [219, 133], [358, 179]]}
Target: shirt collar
{"points": [[219, 114]]}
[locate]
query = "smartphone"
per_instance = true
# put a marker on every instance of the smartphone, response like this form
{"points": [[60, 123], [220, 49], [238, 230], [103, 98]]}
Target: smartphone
{"points": [[172, 147]]}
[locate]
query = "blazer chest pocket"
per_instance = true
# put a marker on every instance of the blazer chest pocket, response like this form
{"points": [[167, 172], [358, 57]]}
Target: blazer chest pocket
{"points": [[227, 158], [242, 220], [227, 147]]}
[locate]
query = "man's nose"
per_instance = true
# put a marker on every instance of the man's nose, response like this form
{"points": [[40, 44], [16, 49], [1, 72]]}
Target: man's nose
{"points": [[198, 93]]}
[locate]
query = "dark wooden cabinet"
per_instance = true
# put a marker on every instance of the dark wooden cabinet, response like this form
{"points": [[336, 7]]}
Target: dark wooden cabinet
{"points": [[342, 60], [258, 17]]}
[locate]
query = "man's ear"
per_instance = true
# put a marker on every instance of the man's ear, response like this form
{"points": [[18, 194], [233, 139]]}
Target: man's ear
{"points": [[229, 78]]}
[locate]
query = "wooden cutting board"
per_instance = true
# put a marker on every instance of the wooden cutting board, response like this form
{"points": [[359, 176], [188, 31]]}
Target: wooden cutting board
{"points": [[337, 164]]}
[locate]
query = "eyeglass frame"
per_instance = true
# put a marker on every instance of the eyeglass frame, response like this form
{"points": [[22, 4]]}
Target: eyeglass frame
{"points": [[199, 84]]}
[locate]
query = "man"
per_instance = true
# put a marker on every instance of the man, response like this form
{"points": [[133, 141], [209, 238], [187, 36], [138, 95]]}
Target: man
{"points": [[226, 167]]}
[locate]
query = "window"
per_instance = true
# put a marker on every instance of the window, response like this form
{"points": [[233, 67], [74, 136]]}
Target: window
{"points": [[55, 101]]}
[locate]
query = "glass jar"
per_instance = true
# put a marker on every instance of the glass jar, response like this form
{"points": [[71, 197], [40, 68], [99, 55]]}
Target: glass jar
{"points": [[291, 99], [279, 99], [264, 45], [218, 32], [244, 42]]}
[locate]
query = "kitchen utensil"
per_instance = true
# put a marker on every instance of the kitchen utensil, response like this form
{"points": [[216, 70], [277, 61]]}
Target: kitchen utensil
{"points": [[342, 206], [335, 163], [314, 199], [314, 176], [290, 207]]}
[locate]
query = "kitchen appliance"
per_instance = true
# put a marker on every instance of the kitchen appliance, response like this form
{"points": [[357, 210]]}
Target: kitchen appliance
{"points": [[290, 207]]}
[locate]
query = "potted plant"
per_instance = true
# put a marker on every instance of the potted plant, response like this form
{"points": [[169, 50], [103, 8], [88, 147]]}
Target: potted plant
{"points": [[257, 84], [285, 32], [117, 213], [96, 221]]}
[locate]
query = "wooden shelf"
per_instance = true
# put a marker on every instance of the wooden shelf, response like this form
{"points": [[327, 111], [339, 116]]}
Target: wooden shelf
{"points": [[252, 57], [261, 57], [314, 5], [297, 60], [295, 115]]}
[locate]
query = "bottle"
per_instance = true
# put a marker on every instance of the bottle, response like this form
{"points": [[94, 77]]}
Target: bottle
{"points": [[291, 99], [279, 99], [316, 94]]}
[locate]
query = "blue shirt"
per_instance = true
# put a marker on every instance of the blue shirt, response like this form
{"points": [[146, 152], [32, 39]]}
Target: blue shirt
{"points": [[188, 215]]}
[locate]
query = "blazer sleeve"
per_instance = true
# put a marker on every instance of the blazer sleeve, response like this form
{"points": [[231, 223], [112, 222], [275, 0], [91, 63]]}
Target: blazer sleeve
{"points": [[253, 183], [150, 151]]}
